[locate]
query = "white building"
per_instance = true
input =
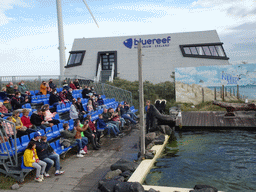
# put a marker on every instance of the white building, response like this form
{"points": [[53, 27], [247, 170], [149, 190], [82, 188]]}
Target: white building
{"points": [[162, 53]]}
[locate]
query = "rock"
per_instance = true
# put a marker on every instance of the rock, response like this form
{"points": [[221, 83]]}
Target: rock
{"points": [[124, 165], [119, 178], [161, 128], [160, 137], [152, 190], [107, 186], [149, 155], [150, 145], [149, 137], [112, 174], [168, 130], [199, 187], [159, 140], [203, 190], [126, 174], [15, 186], [128, 187]]}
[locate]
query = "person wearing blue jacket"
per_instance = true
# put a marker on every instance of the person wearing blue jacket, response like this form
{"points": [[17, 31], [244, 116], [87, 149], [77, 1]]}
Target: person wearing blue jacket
{"points": [[102, 124]]}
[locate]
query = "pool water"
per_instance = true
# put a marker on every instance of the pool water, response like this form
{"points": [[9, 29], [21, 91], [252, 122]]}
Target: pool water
{"points": [[223, 159]]}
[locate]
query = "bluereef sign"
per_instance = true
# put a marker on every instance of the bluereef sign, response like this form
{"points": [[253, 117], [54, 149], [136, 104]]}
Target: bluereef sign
{"points": [[229, 78], [147, 43]]}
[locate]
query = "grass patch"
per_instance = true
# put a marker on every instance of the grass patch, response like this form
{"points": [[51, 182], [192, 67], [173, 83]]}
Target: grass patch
{"points": [[6, 182]]}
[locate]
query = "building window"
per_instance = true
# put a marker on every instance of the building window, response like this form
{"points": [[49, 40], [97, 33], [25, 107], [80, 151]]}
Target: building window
{"points": [[75, 58], [207, 51]]}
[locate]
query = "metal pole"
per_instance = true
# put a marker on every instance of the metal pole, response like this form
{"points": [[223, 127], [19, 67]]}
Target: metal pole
{"points": [[141, 99], [61, 39], [202, 94], [237, 93], [215, 94]]}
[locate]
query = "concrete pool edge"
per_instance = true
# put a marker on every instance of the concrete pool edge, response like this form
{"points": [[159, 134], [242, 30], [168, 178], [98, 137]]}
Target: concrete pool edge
{"points": [[145, 166]]}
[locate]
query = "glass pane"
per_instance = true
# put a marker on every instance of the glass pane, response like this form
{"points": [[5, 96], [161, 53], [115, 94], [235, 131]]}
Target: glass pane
{"points": [[213, 51], [110, 67], [106, 64], [111, 56], [200, 50], [105, 60], [104, 56], [187, 50], [207, 51], [105, 67], [193, 50], [112, 60], [111, 63], [72, 59], [78, 57], [220, 50]]}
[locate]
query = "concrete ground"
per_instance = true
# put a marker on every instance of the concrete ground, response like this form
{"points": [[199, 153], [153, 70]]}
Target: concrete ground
{"points": [[83, 174]]}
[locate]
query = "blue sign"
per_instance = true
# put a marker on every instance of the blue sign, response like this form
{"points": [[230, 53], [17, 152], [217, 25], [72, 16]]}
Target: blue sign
{"points": [[147, 43]]}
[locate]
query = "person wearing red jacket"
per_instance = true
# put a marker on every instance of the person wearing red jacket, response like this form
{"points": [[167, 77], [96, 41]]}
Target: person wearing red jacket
{"points": [[72, 85], [93, 128], [25, 119]]}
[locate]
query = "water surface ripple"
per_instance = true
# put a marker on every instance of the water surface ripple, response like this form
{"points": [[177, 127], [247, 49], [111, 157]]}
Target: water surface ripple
{"points": [[223, 159]]}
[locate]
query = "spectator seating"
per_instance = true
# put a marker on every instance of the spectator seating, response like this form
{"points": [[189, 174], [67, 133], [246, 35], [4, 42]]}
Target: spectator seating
{"points": [[24, 140]]}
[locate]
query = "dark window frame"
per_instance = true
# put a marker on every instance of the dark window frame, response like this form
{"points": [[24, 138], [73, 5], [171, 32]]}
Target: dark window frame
{"points": [[204, 56], [75, 64]]}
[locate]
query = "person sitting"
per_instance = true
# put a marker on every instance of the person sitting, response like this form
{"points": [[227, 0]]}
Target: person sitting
{"points": [[4, 110], [128, 111], [3, 93], [92, 125], [89, 106], [21, 129], [116, 117], [10, 90], [37, 119], [72, 85], [43, 88], [54, 99], [125, 115], [85, 92], [26, 121], [79, 106], [74, 113], [17, 102], [49, 156], [77, 84], [9, 129], [15, 87], [111, 115], [87, 133], [48, 116], [8, 105], [65, 84], [69, 95], [31, 160], [22, 88], [100, 101], [62, 96], [52, 85], [70, 135], [110, 127]]}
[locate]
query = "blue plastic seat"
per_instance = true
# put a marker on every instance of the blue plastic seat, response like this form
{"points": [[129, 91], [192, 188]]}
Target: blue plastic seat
{"points": [[59, 109], [42, 132], [56, 117], [59, 149], [55, 131], [71, 124], [67, 106], [32, 93], [49, 133], [24, 140], [5, 148], [20, 148], [37, 92], [31, 135], [60, 125], [23, 166], [64, 109]]}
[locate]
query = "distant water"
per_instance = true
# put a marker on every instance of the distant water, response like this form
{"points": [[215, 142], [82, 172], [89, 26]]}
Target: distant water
{"points": [[223, 159], [249, 90]]}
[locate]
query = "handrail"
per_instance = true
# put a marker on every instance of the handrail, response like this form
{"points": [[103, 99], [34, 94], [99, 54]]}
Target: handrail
{"points": [[98, 73], [111, 77]]}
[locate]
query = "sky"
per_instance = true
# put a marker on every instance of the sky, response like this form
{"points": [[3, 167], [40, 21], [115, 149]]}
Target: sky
{"points": [[29, 33]]}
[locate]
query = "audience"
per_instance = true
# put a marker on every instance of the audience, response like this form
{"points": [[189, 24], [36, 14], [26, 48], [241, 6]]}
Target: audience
{"points": [[65, 84], [79, 129], [31, 160], [43, 88], [92, 125], [73, 113], [54, 98], [4, 110], [10, 90], [22, 88], [52, 85], [72, 85], [48, 116], [3, 93], [70, 135], [80, 107], [37, 119], [47, 154], [26, 121], [77, 84], [110, 127], [17, 102], [8, 105], [89, 106], [69, 95]]}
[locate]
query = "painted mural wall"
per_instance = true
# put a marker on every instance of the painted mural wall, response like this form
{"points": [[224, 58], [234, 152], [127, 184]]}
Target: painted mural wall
{"points": [[192, 82]]}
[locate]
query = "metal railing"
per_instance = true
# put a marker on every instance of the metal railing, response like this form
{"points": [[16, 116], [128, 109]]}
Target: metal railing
{"points": [[6, 140], [111, 77], [113, 92], [97, 79]]}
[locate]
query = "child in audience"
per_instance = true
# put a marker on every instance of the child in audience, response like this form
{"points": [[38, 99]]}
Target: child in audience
{"points": [[31, 160], [89, 106]]}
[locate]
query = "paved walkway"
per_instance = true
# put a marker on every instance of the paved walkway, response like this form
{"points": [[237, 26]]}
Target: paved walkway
{"points": [[83, 174]]}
